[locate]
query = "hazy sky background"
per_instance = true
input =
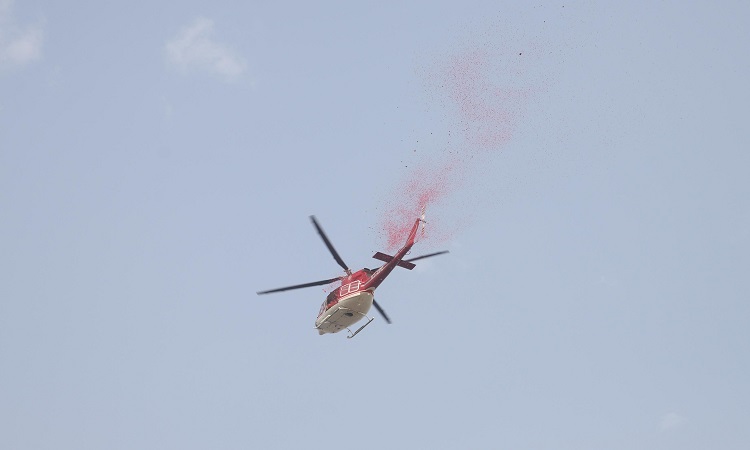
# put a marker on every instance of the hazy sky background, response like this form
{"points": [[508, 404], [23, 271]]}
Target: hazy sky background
{"points": [[158, 163]]}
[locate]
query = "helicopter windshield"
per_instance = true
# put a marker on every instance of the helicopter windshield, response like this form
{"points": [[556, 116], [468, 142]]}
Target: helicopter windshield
{"points": [[330, 301]]}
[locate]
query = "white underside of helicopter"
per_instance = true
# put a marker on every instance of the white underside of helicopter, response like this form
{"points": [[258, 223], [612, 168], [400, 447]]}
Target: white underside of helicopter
{"points": [[348, 311]]}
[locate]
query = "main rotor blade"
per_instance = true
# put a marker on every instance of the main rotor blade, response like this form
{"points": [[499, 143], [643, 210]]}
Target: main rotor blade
{"points": [[300, 286], [329, 245], [426, 256], [380, 310]]}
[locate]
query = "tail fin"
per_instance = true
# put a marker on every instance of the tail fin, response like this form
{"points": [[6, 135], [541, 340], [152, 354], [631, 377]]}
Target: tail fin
{"points": [[424, 211], [412, 234]]}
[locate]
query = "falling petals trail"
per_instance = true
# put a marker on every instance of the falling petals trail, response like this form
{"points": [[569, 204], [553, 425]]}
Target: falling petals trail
{"points": [[482, 99]]}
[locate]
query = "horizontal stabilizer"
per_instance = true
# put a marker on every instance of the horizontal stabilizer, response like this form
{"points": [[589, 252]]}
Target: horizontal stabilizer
{"points": [[386, 258]]}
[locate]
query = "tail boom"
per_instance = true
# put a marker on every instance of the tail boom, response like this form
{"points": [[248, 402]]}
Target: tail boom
{"points": [[394, 261]]}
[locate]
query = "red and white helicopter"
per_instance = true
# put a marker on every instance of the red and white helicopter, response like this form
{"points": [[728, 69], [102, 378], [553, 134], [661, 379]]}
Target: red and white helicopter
{"points": [[351, 301]]}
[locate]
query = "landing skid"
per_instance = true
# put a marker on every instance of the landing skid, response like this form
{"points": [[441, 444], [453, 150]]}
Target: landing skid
{"points": [[359, 329], [369, 319]]}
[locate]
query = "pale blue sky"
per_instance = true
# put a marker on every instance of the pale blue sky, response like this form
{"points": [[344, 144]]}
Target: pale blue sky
{"points": [[158, 165]]}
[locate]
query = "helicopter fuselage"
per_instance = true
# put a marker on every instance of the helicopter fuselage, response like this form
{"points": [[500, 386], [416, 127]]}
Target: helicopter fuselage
{"points": [[346, 304], [344, 313]]}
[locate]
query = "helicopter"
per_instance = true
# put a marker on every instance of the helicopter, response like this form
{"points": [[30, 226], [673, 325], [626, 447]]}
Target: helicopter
{"points": [[350, 302]]}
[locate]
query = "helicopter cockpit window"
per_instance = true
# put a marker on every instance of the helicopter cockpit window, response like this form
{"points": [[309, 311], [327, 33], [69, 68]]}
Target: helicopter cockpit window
{"points": [[331, 299]]}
